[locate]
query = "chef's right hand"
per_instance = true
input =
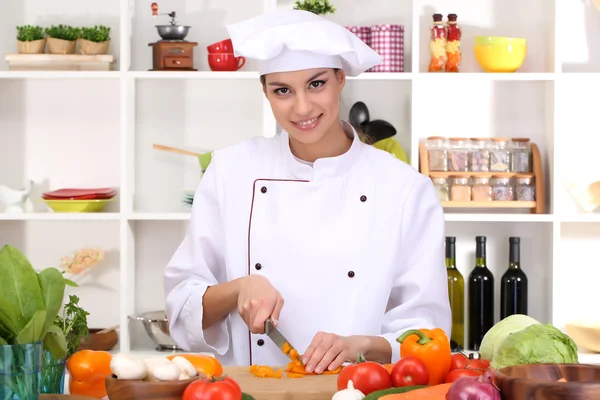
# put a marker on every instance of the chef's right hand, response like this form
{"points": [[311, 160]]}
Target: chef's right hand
{"points": [[257, 301]]}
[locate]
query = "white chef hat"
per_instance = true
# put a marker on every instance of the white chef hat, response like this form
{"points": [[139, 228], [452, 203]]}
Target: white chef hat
{"points": [[292, 40]]}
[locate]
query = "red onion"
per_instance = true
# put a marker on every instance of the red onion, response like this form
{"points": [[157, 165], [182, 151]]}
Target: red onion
{"points": [[474, 388]]}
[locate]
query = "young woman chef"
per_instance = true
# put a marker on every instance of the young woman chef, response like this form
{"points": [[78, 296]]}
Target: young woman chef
{"points": [[340, 243]]}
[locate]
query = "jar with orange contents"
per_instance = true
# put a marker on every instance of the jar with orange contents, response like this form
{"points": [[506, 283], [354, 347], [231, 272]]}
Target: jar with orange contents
{"points": [[460, 189], [437, 44], [482, 188], [453, 45]]}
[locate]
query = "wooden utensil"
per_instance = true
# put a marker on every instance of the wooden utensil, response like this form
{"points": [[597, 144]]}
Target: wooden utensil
{"points": [[541, 382], [122, 389], [175, 150], [310, 387], [112, 328]]}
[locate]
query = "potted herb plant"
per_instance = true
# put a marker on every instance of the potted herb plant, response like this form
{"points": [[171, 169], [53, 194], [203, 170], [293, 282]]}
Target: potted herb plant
{"points": [[315, 6], [73, 324], [94, 40], [29, 304], [30, 39], [62, 39]]}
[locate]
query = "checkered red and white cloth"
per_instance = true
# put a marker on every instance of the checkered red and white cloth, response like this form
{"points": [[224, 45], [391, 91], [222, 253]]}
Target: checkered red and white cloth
{"points": [[388, 41], [363, 33]]}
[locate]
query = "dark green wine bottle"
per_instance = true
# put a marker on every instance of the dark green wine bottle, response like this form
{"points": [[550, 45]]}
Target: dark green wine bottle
{"points": [[456, 295], [513, 286], [481, 297]]}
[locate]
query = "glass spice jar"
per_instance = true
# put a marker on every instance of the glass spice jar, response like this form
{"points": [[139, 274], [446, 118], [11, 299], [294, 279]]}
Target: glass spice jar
{"points": [[502, 189], [525, 187], [479, 155], [499, 155], [460, 189], [437, 153], [481, 189], [441, 188], [520, 155], [458, 155]]}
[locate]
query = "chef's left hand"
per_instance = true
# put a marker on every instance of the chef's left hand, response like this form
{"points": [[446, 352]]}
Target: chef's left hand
{"points": [[329, 351]]}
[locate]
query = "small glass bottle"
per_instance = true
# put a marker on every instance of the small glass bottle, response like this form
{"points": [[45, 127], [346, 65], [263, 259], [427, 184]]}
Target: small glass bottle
{"points": [[479, 160], [441, 188], [453, 45], [437, 44], [458, 155], [525, 187], [520, 155], [437, 153], [502, 189], [481, 189], [460, 190], [499, 155]]}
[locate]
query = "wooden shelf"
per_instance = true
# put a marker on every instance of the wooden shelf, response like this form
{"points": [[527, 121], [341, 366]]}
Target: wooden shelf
{"points": [[537, 206]]}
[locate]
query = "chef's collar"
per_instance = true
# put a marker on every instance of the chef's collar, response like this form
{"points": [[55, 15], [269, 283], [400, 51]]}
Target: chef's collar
{"points": [[322, 168]]}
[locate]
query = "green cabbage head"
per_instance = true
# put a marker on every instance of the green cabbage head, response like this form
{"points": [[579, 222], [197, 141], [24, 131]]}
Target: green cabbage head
{"points": [[497, 333], [536, 344]]}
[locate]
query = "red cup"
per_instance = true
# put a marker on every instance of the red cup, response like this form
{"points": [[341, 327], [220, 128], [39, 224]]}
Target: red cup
{"points": [[224, 46], [225, 62]]}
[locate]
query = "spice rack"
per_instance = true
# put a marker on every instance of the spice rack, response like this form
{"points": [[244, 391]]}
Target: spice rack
{"points": [[537, 206]]}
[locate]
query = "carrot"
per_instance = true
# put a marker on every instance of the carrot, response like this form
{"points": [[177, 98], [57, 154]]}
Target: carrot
{"points": [[436, 392]]}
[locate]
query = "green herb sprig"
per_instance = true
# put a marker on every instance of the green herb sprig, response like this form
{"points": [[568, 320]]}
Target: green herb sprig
{"points": [[29, 33], [64, 32], [73, 323], [98, 34], [315, 6]]}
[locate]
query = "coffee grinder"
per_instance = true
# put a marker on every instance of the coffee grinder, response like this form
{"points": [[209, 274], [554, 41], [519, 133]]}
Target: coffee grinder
{"points": [[172, 52]]}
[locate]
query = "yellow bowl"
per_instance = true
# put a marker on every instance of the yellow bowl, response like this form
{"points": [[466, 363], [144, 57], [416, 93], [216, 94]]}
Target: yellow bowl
{"points": [[77, 206], [500, 54]]}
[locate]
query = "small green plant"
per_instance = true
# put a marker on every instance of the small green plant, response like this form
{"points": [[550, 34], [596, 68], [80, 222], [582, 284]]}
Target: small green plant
{"points": [[30, 33], [96, 34], [64, 32], [315, 6]]}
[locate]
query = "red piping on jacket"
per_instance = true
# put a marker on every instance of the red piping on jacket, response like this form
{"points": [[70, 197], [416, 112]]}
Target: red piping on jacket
{"points": [[249, 228]]}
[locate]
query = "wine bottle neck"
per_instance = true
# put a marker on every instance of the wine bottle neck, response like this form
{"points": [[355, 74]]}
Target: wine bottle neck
{"points": [[480, 255], [514, 256], [450, 255]]}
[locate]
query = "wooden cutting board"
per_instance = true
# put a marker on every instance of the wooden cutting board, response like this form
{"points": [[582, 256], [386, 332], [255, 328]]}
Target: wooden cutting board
{"points": [[311, 387], [64, 397]]}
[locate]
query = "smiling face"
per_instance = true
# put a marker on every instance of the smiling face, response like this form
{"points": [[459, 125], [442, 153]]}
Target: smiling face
{"points": [[306, 103]]}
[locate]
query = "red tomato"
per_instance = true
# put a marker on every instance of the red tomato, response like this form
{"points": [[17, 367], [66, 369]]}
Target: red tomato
{"points": [[410, 371], [478, 364], [221, 388], [459, 373], [367, 376], [459, 361]]}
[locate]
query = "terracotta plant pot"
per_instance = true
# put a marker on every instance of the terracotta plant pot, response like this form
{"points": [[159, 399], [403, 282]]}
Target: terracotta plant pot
{"points": [[33, 47], [60, 46], [90, 48]]}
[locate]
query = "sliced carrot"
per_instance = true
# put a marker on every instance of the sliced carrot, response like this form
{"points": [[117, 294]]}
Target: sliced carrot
{"points": [[436, 392]]}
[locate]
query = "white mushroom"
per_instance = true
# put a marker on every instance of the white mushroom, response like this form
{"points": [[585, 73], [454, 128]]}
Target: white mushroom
{"points": [[151, 364], [187, 368], [166, 372], [126, 366]]}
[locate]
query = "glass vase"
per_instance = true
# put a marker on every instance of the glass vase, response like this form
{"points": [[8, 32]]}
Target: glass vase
{"points": [[53, 374], [20, 371]]}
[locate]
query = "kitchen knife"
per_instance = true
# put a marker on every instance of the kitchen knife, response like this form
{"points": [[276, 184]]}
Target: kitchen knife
{"points": [[276, 336]]}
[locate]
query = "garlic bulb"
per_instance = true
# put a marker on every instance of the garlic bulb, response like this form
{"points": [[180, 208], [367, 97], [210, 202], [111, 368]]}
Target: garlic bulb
{"points": [[349, 393]]}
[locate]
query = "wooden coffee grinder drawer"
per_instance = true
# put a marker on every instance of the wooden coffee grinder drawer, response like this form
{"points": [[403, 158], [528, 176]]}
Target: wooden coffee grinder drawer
{"points": [[174, 55]]}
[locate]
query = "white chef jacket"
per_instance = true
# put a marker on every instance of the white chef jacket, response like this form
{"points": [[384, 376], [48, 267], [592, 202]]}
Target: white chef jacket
{"points": [[354, 244]]}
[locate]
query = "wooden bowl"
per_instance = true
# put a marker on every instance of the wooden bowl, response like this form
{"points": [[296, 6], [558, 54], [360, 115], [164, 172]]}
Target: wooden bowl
{"points": [[540, 382], [103, 341], [122, 389]]}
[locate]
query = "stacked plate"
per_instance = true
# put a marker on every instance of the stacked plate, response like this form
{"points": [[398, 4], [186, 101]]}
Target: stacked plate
{"points": [[79, 200], [188, 197]]}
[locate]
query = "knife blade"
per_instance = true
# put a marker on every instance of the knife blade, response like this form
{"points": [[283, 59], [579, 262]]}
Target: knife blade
{"points": [[277, 337]]}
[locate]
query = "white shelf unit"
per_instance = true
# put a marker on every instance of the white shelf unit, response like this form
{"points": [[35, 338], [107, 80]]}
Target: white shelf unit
{"points": [[96, 129]]}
